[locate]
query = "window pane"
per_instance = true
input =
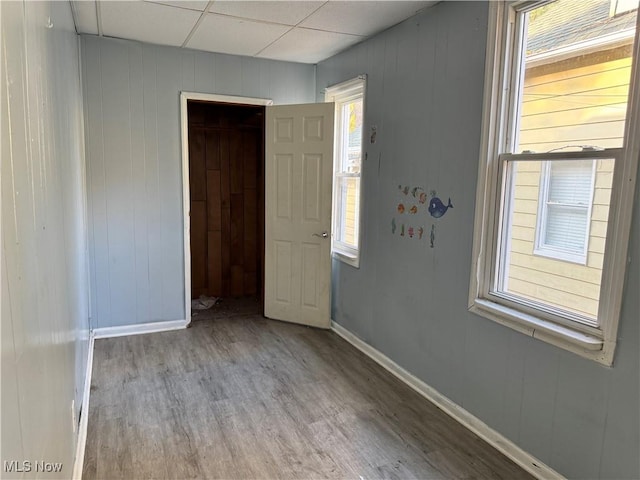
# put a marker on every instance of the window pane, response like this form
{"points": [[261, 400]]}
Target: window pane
{"points": [[570, 182], [576, 75], [347, 221], [352, 136], [565, 228], [537, 256]]}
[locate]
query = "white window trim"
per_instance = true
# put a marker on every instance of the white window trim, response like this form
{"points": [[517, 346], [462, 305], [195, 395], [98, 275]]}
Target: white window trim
{"points": [[551, 251], [343, 92], [597, 344]]}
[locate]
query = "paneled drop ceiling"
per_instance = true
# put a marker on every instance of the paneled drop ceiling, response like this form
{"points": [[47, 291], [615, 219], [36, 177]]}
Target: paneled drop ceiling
{"points": [[305, 31]]}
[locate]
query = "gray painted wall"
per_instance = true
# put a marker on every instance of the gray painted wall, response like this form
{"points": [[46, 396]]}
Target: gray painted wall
{"points": [[409, 301], [45, 313], [134, 177]]}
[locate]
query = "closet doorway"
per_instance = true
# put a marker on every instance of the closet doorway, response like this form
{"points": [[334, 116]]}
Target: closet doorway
{"points": [[226, 199]]}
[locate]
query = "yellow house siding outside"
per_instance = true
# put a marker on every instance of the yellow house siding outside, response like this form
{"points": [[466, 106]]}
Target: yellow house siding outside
{"points": [[350, 212], [592, 113]]}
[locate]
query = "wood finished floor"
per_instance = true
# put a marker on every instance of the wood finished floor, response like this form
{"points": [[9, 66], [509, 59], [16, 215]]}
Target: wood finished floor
{"points": [[239, 396]]}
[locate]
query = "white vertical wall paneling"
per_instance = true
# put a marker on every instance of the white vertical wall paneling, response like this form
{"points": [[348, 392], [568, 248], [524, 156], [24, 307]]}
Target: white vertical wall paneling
{"points": [[188, 70], [44, 270], [168, 101], [138, 176], [118, 179], [203, 72], [134, 164], [151, 186], [425, 96], [228, 70], [96, 190]]}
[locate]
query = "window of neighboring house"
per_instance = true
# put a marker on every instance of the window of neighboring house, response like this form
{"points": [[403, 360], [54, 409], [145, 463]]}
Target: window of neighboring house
{"points": [[349, 102], [556, 178], [564, 210]]}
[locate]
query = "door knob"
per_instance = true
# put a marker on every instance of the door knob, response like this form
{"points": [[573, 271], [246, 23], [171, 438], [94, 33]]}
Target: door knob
{"points": [[323, 234]]}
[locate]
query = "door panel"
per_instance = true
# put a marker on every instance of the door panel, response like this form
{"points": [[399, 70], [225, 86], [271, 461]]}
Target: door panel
{"points": [[298, 172]]}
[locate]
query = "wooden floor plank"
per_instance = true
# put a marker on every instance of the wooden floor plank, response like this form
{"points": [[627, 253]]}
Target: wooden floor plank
{"points": [[240, 396]]}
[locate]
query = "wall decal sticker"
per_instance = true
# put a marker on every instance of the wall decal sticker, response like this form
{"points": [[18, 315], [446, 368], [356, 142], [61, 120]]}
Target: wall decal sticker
{"points": [[374, 133], [437, 209]]}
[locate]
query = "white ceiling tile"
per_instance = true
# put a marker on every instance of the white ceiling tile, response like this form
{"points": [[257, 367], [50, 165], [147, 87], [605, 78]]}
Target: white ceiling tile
{"points": [[308, 46], [219, 33], [199, 5], [147, 22], [362, 17], [285, 12], [254, 28], [85, 15]]}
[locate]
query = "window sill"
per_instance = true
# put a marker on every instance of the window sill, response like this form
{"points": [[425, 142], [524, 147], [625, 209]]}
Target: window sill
{"points": [[349, 259], [576, 258], [583, 344]]}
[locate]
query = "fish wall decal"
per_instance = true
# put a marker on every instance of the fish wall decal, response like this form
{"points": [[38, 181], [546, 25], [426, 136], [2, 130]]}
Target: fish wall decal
{"points": [[437, 208]]}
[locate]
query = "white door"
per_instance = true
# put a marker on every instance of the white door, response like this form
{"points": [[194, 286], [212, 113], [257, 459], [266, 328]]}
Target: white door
{"points": [[298, 178]]}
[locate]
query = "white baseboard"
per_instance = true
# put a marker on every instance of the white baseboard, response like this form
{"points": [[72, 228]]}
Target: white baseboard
{"points": [[81, 441], [525, 460], [124, 330]]}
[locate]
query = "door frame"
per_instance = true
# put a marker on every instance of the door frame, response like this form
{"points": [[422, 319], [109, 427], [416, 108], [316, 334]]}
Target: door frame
{"points": [[186, 203]]}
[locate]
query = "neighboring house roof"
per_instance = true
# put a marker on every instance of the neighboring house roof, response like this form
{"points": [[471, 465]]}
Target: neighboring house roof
{"points": [[566, 22]]}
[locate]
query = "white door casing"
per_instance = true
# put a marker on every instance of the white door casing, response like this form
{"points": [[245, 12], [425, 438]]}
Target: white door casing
{"points": [[298, 181]]}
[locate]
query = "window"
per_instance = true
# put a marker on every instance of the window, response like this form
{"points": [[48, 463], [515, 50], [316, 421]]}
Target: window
{"points": [[349, 101], [557, 170], [564, 210]]}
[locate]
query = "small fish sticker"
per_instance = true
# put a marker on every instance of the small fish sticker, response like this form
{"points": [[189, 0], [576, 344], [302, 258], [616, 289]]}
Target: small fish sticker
{"points": [[413, 210], [420, 232], [423, 197], [402, 230], [393, 226], [432, 235], [410, 232], [401, 208], [437, 208], [405, 190]]}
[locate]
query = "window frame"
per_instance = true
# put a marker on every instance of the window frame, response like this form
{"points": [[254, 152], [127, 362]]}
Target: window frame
{"points": [[499, 125], [541, 248], [340, 94]]}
